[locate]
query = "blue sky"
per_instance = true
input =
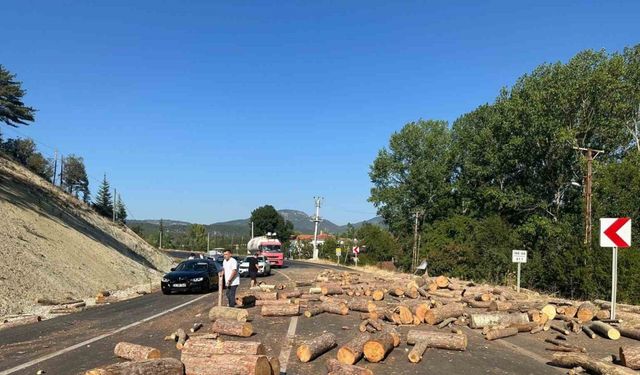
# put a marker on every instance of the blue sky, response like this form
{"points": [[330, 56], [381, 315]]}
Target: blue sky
{"points": [[202, 110]]}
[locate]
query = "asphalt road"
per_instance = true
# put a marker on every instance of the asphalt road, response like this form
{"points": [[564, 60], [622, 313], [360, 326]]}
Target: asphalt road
{"points": [[75, 343]]}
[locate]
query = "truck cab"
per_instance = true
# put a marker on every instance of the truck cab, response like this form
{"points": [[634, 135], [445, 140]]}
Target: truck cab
{"points": [[270, 247]]}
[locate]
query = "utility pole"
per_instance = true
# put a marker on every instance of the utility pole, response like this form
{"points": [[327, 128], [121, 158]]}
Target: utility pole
{"points": [[61, 168], [414, 258], [115, 194], [55, 167], [161, 232], [208, 241], [252, 229], [590, 154], [316, 219]]}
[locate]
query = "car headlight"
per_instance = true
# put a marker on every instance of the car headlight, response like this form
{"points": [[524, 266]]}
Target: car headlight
{"points": [[197, 279], [165, 280]]}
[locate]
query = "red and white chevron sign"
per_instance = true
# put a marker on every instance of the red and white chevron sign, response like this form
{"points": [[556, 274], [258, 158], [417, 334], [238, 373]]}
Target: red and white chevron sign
{"points": [[615, 232]]}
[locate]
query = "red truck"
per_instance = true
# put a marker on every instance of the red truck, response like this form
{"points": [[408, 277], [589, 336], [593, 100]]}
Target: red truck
{"points": [[270, 247]]}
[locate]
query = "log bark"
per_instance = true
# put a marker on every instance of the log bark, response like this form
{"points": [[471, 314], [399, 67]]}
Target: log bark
{"points": [[418, 309], [376, 349], [500, 306], [313, 311], [280, 310], [436, 315], [415, 355], [438, 340], [500, 333], [630, 356], [482, 320], [570, 311], [265, 295], [586, 312], [275, 365], [20, 321], [181, 336], [201, 347], [335, 307], [353, 351], [630, 333], [331, 290], [394, 334], [361, 304], [442, 281], [232, 328], [135, 352], [264, 302], [589, 332], [396, 292], [311, 349], [161, 366], [334, 367], [230, 364], [524, 327], [571, 360], [605, 330], [411, 293], [229, 313]]}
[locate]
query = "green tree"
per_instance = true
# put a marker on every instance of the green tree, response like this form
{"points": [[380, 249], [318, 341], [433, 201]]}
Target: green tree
{"points": [[74, 177], [121, 211], [19, 149], [267, 220], [377, 244], [103, 203], [197, 235], [13, 111], [40, 166]]}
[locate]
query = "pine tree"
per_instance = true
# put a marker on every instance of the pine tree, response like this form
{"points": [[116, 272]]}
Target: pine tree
{"points": [[103, 203], [121, 211], [13, 111]]}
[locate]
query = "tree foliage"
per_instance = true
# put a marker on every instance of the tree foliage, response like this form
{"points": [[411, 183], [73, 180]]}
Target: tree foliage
{"points": [[500, 178], [197, 235], [13, 111], [267, 220], [103, 203], [74, 177]]}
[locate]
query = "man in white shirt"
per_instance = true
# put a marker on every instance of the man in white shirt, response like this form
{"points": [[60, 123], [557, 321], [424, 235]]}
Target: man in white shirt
{"points": [[232, 280]]}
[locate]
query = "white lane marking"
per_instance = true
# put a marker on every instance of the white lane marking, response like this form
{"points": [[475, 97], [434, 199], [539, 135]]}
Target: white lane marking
{"points": [[285, 353], [97, 338], [283, 274]]}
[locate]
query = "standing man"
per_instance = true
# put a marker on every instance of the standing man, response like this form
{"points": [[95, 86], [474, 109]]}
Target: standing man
{"points": [[230, 270], [253, 268]]}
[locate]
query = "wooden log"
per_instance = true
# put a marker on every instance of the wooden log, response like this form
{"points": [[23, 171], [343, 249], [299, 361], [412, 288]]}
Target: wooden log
{"points": [[411, 292], [418, 308], [483, 297], [20, 321], [500, 306], [232, 327], [375, 323], [564, 344], [352, 351], [311, 349], [396, 292], [390, 330], [605, 330], [436, 315], [630, 333], [501, 333], [479, 304], [303, 283], [228, 364], [446, 322], [630, 356], [313, 311], [603, 315], [265, 295], [362, 327], [589, 332], [228, 313], [264, 302], [334, 367], [181, 336], [160, 366], [415, 354], [376, 349], [377, 295], [524, 327], [135, 352], [331, 290], [586, 312], [274, 361], [549, 311], [195, 327], [280, 310], [442, 281], [315, 290], [202, 347], [361, 304], [290, 294], [619, 306], [438, 340], [404, 314], [571, 360], [335, 308], [481, 320], [560, 329], [570, 311]]}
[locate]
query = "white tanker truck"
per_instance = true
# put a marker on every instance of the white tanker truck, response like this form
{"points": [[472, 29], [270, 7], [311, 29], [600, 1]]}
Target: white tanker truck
{"points": [[270, 247]]}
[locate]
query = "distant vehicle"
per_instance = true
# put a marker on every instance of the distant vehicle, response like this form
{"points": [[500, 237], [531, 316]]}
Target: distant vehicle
{"points": [[264, 267], [270, 247], [215, 252], [196, 275]]}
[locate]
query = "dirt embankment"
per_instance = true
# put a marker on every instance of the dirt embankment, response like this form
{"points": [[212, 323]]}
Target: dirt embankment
{"points": [[54, 246]]}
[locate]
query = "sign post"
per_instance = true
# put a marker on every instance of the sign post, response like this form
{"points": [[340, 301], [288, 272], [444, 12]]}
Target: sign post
{"points": [[356, 251], [338, 254], [615, 233], [519, 257]]}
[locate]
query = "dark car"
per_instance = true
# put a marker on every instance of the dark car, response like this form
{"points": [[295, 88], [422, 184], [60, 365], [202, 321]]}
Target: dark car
{"points": [[194, 275]]}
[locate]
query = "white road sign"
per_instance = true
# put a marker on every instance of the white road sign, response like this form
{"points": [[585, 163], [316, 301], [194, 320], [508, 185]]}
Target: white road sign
{"points": [[519, 256], [615, 232]]}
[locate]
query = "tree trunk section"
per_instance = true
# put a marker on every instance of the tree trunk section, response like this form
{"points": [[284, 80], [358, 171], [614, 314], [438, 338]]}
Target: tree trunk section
{"points": [[311, 349], [280, 310], [232, 328], [549, 311], [196, 347], [377, 295], [605, 330], [500, 333], [442, 281], [630, 333], [571, 360], [313, 311], [352, 351], [229, 364], [135, 352], [438, 314], [630, 356], [361, 304], [334, 367], [376, 349], [229, 313], [482, 320], [161, 366], [335, 307], [331, 290], [586, 312], [438, 340], [415, 355]]}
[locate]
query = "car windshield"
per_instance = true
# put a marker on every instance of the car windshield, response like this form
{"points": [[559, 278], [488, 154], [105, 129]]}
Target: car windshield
{"points": [[193, 266], [271, 248]]}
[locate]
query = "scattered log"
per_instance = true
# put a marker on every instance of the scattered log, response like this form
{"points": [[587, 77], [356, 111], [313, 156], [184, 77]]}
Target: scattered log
{"points": [[501, 333], [290, 294], [232, 327], [500, 306], [570, 311], [565, 345], [23, 320], [630, 356], [229, 364], [605, 330], [331, 290], [361, 304], [442, 281], [437, 315], [483, 297], [280, 310], [446, 322], [195, 327], [315, 290], [589, 332], [481, 320], [334, 367], [266, 295], [438, 340], [619, 306], [415, 355], [561, 330], [264, 302], [630, 333], [161, 366], [335, 308], [397, 292], [352, 351], [303, 283], [394, 334], [375, 323], [377, 295], [571, 360], [411, 293], [362, 327], [135, 352], [181, 336], [311, 349], [525, 327], [479, 304], [549, 311], [603, 315], [275, 365], [228, 313], [202, 347], [376, 349], [586, 312], [51, 302], [313, 311], [404, 314]]}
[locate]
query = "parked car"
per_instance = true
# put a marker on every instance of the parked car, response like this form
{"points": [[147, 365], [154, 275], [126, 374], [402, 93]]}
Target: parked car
{"points": [[264, 267], [194, 275]]}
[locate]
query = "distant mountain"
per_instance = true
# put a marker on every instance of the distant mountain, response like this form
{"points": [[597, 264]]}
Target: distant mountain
{"points": [[301, 223]]}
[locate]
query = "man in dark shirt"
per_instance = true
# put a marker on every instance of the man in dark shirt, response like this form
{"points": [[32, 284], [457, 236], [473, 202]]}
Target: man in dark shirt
{"points": [[253, 268]]}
